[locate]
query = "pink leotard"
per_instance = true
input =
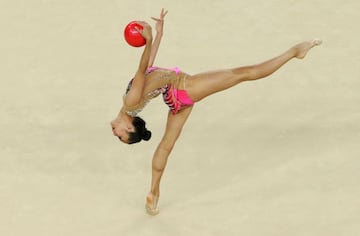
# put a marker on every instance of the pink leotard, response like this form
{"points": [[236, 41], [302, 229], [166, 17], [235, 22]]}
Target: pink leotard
{"points": [[174, 98]]}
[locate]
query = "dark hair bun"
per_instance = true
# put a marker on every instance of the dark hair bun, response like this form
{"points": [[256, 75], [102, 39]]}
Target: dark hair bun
{"points": [[141, 132], [147, 135]]}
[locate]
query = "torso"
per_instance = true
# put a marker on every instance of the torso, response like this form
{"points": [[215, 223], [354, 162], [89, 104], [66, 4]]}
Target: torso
{"points": [[158, 81]]}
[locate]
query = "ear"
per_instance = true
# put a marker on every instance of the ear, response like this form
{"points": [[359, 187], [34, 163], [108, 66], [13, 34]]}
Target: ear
{"points": [[130, 128]]}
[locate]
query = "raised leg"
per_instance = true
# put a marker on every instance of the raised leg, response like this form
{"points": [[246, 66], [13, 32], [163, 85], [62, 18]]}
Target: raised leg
{"points": [[205, 84]]}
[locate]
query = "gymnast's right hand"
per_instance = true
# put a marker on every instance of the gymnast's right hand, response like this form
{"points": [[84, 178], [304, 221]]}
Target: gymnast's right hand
{"points": [[146, 32]]}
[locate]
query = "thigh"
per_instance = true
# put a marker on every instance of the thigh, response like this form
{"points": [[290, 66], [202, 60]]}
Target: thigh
{"points": [[174, 126], [202, 85]]}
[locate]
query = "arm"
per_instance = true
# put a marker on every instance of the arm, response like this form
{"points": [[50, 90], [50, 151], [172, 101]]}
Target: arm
{"points": [[136, 92], [159, 34]]}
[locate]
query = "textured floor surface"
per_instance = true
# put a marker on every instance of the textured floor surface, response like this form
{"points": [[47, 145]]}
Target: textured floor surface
{"points": [[277, 157]]}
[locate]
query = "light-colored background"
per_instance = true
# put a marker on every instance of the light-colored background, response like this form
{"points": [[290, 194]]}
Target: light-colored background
{"points": [[273, 157]]}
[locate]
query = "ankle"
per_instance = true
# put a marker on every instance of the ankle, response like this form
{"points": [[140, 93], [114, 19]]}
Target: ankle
{"points": [[154, 191], [293, 51], [154, 194]]}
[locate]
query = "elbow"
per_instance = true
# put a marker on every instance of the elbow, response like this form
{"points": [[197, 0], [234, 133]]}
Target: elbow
{"points": [[140, 73]]}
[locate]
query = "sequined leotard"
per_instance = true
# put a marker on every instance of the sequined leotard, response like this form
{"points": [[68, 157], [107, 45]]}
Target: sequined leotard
{"points": [[174, 98]]}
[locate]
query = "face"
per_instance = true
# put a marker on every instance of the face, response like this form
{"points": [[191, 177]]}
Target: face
{"points": [[121, 130]]}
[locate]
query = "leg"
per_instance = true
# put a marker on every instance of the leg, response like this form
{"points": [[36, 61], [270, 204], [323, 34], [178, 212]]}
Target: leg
{"points": [[174, 126], [205, 84]]}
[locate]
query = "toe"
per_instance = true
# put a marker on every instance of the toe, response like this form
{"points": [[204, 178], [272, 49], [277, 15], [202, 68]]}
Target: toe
{"points": [[317, 42]]}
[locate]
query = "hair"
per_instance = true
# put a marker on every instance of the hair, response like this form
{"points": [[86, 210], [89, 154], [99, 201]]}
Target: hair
{"points": [[141, 133]]}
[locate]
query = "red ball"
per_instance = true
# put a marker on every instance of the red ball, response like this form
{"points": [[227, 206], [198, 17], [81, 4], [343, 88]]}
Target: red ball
{"points": [[132, 36]]}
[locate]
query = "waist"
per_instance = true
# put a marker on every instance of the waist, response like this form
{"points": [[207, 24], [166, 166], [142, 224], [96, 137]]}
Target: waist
{"points": [[176, 99]]}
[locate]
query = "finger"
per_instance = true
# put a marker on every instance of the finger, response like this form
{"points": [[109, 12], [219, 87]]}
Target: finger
{"points": [[138, 30], [164, 14], [155, 19], [142, 23]]}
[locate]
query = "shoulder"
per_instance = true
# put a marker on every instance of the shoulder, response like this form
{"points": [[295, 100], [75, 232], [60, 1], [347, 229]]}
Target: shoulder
{"points": [[133, 110]]}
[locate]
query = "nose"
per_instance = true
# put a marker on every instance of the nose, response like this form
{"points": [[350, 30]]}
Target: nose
{"points": [[112, 127], [114, 132]]}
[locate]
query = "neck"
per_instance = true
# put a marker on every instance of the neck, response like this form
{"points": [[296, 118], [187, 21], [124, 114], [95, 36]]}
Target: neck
{"points": [[124, 116]]}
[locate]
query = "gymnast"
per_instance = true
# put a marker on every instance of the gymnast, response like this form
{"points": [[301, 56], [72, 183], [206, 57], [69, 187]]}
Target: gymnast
{"points": [[180, 91]]}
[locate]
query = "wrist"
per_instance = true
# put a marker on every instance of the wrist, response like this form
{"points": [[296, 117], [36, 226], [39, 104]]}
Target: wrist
{"points": [[149, 41]]}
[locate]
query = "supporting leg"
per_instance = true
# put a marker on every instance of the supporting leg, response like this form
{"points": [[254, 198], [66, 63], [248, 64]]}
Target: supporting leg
{"points": [[174, 127]]}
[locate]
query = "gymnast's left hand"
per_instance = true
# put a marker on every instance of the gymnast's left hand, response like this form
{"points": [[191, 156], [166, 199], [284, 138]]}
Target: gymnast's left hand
{"points": [[160, 21]]}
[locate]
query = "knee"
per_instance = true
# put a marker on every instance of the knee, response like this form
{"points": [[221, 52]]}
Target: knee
{"points": [[246, 73], [166, 145], [158, 168], [253, 73]]}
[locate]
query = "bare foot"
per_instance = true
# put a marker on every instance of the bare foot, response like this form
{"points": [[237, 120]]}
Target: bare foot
{"points": [[302, 48], [151, 204]]}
